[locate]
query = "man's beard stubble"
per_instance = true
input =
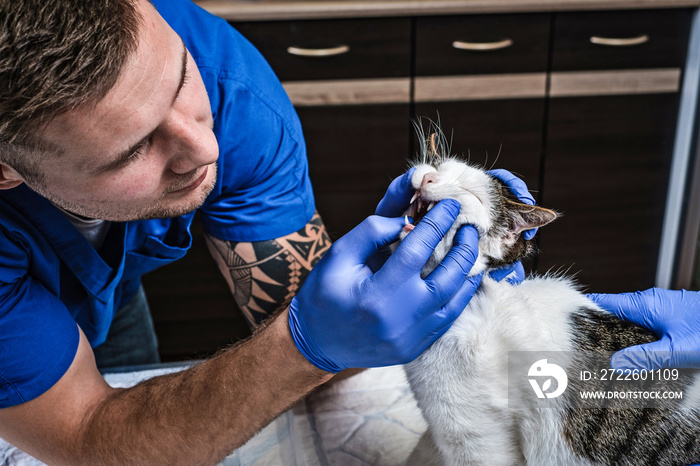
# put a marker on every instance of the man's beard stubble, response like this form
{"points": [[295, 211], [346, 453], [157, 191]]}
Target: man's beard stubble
{"points": [[154, 211]]}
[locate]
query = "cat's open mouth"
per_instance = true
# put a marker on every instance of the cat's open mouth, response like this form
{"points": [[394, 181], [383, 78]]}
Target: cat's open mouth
{"points": [[417, 210]]}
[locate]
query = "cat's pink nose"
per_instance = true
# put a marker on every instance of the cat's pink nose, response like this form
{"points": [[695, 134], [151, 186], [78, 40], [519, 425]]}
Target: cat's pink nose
{"points": [[429, 178]]}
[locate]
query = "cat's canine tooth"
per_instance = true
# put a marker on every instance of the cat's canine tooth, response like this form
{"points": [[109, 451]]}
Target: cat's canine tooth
{"points": [[415, 196], [430, 206], [405, 219]]}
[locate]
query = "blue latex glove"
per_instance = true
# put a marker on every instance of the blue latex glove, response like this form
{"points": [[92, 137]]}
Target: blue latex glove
{"points": [[519, 188], [513, 273], [674, 316], [398, 196], [347, 316]]}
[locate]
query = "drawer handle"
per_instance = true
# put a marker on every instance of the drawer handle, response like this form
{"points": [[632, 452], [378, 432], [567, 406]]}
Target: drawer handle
{"points": [[329, 52], [482, 46], [620, 42]]}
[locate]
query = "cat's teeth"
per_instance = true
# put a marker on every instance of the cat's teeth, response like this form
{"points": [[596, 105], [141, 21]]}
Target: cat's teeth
{"points": [[430, 206], [405, 219], [415, 196]]}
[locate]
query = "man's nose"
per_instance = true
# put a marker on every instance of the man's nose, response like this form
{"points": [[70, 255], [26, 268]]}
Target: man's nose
{"points": [[194, 145]]}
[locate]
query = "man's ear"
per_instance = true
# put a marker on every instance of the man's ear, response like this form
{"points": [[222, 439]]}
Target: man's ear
{"points": [[9, 178]]}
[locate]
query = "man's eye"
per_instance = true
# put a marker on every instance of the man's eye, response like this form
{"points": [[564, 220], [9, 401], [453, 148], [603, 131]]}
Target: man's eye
{"points": [[140, 150]]}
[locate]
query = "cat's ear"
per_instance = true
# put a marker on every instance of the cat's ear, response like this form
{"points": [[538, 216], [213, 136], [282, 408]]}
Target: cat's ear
{"points": [[526, 217]]}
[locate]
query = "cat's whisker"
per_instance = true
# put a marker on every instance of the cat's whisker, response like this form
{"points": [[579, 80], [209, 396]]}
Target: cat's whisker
{"points": [[500, 148]]}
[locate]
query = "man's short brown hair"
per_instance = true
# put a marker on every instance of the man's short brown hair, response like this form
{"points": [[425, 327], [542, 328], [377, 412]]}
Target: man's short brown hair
{"points": [[56, 55]]}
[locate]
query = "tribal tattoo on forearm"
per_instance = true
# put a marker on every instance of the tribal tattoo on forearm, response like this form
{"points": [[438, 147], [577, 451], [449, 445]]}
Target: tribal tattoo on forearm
{"points": [[264, 276]]}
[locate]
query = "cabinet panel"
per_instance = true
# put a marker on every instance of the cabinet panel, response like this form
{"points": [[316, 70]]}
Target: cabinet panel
{"points": [[665, 47], [493, 133], [482, 46], [376, 47], [606, 170], [354, 153]]}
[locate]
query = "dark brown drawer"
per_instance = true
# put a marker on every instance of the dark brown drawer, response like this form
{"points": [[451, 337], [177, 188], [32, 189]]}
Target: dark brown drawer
{"points": [[333, 49], [482, 44], [620, 39]]}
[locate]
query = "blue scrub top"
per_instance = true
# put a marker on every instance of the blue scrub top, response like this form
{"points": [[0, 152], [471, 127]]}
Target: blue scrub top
{"points": [[50, 276]]}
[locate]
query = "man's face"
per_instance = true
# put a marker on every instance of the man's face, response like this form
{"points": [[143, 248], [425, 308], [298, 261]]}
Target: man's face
{"points": [[147, 149]]}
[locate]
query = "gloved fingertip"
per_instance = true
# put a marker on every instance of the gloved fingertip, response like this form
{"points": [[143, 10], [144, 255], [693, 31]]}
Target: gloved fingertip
{"points": [[465, 293], [606, 301], [451, 204], [529, 234], [404, 182], [513, 274], [467, 234], [628, 360], [475, 280], [408, 175]]}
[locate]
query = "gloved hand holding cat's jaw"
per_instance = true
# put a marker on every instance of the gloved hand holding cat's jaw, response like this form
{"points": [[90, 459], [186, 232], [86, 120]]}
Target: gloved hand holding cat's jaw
{"points": [[401, 194], [347, 316]]}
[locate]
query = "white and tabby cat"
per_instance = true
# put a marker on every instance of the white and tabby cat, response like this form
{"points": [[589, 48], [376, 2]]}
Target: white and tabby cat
{"points": [[461, 381]]}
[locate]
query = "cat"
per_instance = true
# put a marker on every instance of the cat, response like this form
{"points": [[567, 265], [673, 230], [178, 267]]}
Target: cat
{"points": [[461, 383]]}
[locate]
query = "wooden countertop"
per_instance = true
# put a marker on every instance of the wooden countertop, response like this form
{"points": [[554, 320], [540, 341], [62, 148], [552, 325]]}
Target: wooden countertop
{"points": [[250, 10]]}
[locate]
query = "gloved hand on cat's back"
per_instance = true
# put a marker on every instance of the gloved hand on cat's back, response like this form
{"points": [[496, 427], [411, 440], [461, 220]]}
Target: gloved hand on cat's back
{"points": [[674, 316], [347, 315]]}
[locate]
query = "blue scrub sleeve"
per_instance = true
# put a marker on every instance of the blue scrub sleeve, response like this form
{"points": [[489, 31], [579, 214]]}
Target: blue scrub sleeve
{"points": [[264, 191], [38, 337]]}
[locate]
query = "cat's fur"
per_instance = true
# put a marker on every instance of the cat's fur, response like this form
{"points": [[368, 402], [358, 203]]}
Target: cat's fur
{"points": [[461, 381]]}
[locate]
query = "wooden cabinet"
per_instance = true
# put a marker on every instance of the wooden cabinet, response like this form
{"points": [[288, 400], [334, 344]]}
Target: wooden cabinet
{"points": [[313, 50], [482, 44], [615, 40], [609, 141]]}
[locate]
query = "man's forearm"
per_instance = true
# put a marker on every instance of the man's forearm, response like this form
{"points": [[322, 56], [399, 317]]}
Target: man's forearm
{"points": [[264, 276], [200, 415]]}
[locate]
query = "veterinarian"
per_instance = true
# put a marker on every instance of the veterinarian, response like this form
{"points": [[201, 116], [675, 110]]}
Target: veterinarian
{"points": [[118, 119]]}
